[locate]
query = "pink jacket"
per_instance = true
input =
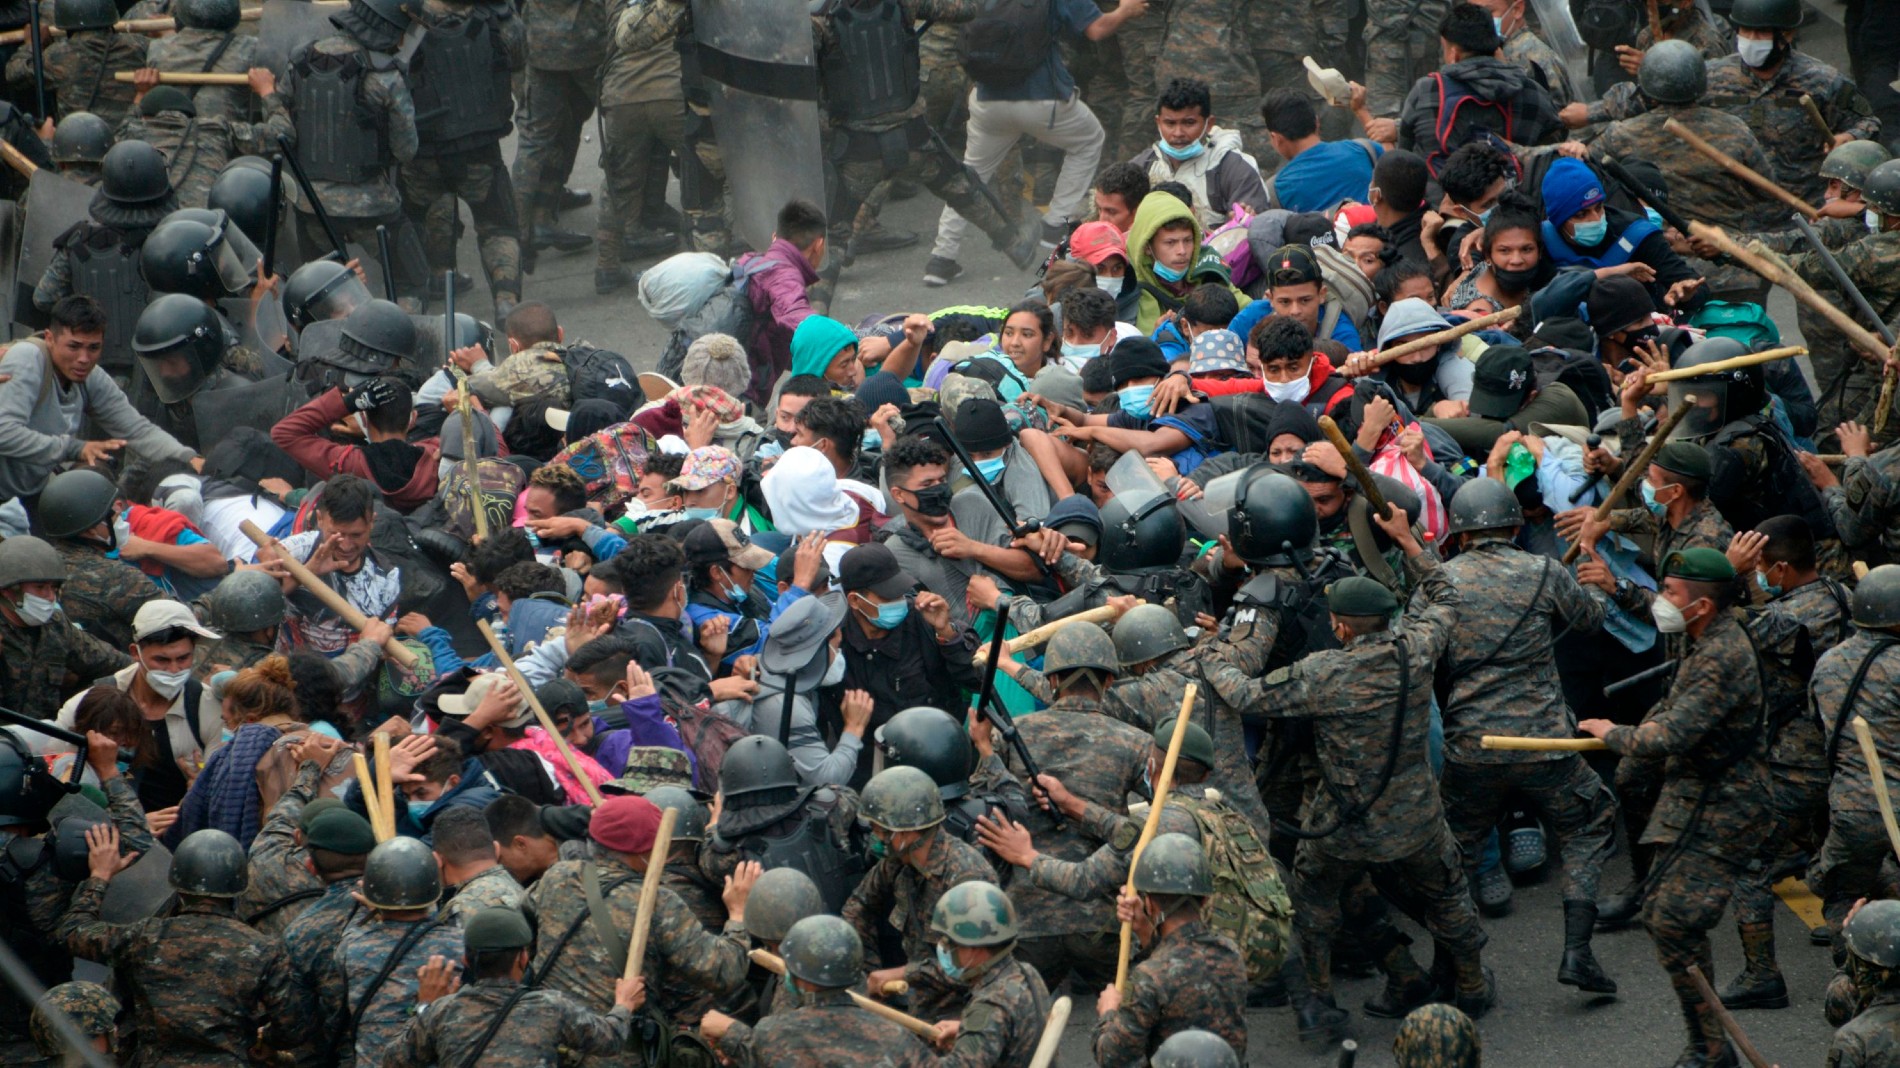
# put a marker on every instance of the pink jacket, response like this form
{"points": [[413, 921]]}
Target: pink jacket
{"points": [[778, 305], [538, 741]]}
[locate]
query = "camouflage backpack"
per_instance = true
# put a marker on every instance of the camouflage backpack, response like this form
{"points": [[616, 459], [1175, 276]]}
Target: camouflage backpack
{"points": [[1250, 904], [500, 483]]}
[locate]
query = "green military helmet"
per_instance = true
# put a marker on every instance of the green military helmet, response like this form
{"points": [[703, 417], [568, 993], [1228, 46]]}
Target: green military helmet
{"points": [[1873, 934], [755, 763], [1196, 744], [400, 874], [211, 863], [1876, 603], [1437, 1036], [690, 824], [976, 913], [781, 898], [1147, 631], [902, 799], [91, 1008], [1882, 190], [1173, 864], [1083, 645], [82, 137], [496, 928], [70, 15], [932, 741], [824, 951], [1194, 1048], [1673, 72], [28, 559], [246, 602], [1849, 164], [219, 15], [1765, 14], [1485, 504], [75, 501]]}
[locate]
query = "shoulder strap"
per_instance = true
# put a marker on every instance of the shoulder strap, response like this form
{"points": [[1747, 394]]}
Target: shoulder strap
{"points": [[1372, 153], [603, 922], [288, 899], [396, 955], [194, 695], [1881, 645]]}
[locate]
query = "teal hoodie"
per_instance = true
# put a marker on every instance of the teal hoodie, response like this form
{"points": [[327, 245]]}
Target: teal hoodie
{"points": [[817, 342]]}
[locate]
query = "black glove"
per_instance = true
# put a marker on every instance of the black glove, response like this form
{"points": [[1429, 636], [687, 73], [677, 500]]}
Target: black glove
{"points": [[365, 396]]}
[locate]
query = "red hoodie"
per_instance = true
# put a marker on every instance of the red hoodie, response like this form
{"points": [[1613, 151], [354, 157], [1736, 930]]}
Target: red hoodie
{"points": [[304, 434], [1327, 388]]}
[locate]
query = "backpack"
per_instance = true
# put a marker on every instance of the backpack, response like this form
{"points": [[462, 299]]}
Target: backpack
{"points": [[1009, 41], [706, 732], [499, 482], [600, 374], [727, 311], [1250, 903], [1463, 118], [1746, 323]]}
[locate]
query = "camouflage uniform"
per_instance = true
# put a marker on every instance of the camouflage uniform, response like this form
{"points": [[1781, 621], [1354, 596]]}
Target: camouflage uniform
{"points": [[567, 42], [827, 1029], [101, 595], [1713, 804], [196, 149], [1711, 34], [533, 373], [682, 957], [1002, 1023], [40, 666], [311, 940], [1872, 1038], [541, 1023], [277, 861], [190, 50], [1830, 357], [91, 1008], [1772, 109], [836, 805], [227, 654], [1352, 695], [1529, 51], [1207, 41], [80, 67], [1401, 47], [1192, 978], [700, 894], [1849, 864], [1141, 42], [199, 983], [1138, 700], [1865, 506], [48, 896], [642, 115], [647, 27], [1280, 35], [493, 888], [894, 889], [361, 953], [1873, 265]]}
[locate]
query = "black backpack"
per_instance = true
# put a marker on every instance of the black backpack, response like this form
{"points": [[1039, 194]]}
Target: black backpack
{"points": [[1008, 42], [600, 374]]}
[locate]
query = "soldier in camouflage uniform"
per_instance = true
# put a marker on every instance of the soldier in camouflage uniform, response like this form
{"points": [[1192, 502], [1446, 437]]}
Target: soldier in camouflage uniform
{"points": [[1207, 42], [1378, 810], [1682, 20], [824, 962], [1437, 1036], [1008, 1004], [488, 1019], [1152, 679], [1525, 48], [649, 25], [643, 115], [207, 42], [683, 877], [682, 957], [1873, 964], [567, 42], [1864, 498], [247, 607], [280, 873], [918, 861], [1189, 978], [1099, 759], [339, 842], [1713, 807], [538, 372], [79, 66], [472, 876], [197, 147], [101, 593], [91, 1008], [1858, 677], [1805, 616], [1281, 35], [374, 977], [199, 980], [1502, 680], [41, 663], [1401, 47]]}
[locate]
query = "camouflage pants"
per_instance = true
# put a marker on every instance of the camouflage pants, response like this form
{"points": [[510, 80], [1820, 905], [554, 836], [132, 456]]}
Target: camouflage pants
{"points": [[1565, 794], [559, 104], [1401, 48], [1639, 782], [1101, 77], [863, 185], [1798, 802], [703, 184], [411, 266], [1089, 957], [1140, 42], [633, 133], [1679, 913], [1433, 873], [1850, 865], [480, 178]]}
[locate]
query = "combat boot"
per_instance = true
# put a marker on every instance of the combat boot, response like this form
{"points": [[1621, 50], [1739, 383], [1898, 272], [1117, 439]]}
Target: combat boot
{"points": [[1027, 250], [1406, 984], [1476, 993], [1319, 1019], [1760, 985], [1580, 968]]}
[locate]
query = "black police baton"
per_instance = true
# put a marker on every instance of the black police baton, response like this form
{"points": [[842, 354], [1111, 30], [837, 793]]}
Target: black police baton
{"points": [[310, 194], [1348, 1053], [38, 44], [1591, 441], [389, 274], [1841, 280], [991, 708], [72, 738], [276, 207]]}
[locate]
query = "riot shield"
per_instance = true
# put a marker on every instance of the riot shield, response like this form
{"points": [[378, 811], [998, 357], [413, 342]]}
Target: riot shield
{"points": [[1208, 512], [761, 69], [263, 327], [258, 405], [9, 253], [1560, 33], [53, 204], [138, 892], [287, 25]]}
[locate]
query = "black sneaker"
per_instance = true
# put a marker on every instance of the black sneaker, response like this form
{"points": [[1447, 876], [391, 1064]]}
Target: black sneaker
{"points": [[569, 199], [941, 272]]}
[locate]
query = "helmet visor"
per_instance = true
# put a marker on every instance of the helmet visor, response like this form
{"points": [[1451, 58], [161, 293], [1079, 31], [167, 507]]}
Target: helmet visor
{"points": [[1710, 413], [173, 371], [1208, 512], [1135, 483]]}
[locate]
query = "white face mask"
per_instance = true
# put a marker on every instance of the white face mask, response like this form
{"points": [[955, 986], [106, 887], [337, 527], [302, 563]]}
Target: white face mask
{"points": [[834, 674], [1667, 616], [36, 611], [1754, 53], [1873, 220], [1294, 391], [167, 683], [1111, 286]]}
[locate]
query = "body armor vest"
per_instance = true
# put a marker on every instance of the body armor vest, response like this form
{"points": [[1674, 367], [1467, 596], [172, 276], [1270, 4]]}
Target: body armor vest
{"points": [[339, 139], [459, 80], [876, 68], [105, 267]]}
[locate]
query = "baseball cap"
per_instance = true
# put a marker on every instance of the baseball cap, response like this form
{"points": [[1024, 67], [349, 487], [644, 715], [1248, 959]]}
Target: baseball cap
{"points": [[157, 616], [872, 569], [461, 704], [704, 467], [1501, 382], [720, 541], [1292, 265], [1095, 242]]}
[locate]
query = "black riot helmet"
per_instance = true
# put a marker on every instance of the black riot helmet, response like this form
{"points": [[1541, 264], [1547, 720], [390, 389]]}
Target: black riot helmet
{"points": [[1141, 525], [1673, 72], [1272, 521], [322, 289], [220, 15], [81, 137], [133, 174], [27, 790], [1484, 504], [1720, 398], [179, 341], [211, 863], [933, 742], [71, 15], [379, 331], [1765, 14], [75, 501], [244, 194], [755, 764], [187, 254]]}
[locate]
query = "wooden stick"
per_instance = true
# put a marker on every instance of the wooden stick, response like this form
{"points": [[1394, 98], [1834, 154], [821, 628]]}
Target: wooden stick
{"points": [[1739, 169], [1677, 374], [1452, 333], [1051, 1034], [895, 988], [1540, 745], [771, 962], [385, 788], [1366, 484], [1635, 471], [1032, 639], [331, 599], [1770, 267], [1888, 380], [1727, 1020], [1879, 778], [187, 78], [1655, 25], [371, 804], [1860, 570], [547, 721], [1151, 825], [1819, 120], [649, 893], [17, 160]]}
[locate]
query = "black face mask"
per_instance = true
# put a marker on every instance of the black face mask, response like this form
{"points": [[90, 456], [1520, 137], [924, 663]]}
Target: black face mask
{"points": [[1416, 374], [1513, 281], [934, 501]]}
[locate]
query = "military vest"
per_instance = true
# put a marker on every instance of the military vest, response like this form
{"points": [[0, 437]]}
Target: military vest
{"points": [[339, 137], [459, 80], [875, 70], [105, 267]]}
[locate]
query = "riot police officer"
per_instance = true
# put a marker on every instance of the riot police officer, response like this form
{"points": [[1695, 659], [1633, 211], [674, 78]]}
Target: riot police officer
{"points": [[180, 345], [322, 290], [1194, 1048], [781, 898], [1002, 1020], [80, 143], [208, 41], [768, 815], [101, 594], [932, 741], [1872, 936]]}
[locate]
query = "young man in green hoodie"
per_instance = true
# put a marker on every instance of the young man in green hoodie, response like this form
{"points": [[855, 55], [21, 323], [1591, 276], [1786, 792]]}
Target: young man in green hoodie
{"points": [[1170, 261]]}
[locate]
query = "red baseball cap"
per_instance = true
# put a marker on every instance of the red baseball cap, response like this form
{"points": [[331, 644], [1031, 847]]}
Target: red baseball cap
{"points": [[1096, 241]]}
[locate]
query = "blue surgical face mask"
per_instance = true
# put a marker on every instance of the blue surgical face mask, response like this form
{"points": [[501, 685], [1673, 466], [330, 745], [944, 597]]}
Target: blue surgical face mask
{"points": [[890, 615], [1655, 217], [1083, 351], [597, 707], [1650, 502], [1167, 273], [1591, 234], [1498, 24], [702, 513], [1134, 400], [769, 449], [225, 736], [1761, 580], [871, 441], [948, 962], [991, 469], [324, 728], [1187, 152], [418, 808], [791, 988]]}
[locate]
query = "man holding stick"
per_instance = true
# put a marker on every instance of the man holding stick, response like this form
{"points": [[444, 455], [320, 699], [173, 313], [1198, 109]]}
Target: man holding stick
{"points": [[337, 552], [1713, 808]]}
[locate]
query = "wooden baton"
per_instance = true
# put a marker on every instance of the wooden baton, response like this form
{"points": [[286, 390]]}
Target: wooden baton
{"points": [[773, 963], [1033, 638], [367, 784], [385, 787], [1655, 24], [1634, 471], [1879, 777], [1772, 269], [1739, 169], [187, 78], [547, 721], [649, 893], [1151, 825], [1045, 1054], [331, 599], [1450, 333], [1359, 472], [1726, 1019], [1819, 120], [18, 161], [1677, 374], [1540, 745]]}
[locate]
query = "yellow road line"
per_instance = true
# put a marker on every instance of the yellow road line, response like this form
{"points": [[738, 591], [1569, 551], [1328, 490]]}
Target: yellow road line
{"points": [[1800, 900]]}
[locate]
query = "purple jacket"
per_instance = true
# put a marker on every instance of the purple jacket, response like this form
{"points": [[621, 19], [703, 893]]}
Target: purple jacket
{"points": [[646, 726], [778, 306]]}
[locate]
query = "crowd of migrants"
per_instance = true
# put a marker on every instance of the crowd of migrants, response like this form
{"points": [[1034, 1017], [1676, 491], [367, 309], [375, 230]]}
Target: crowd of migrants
{"points": [[358, 656]]}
